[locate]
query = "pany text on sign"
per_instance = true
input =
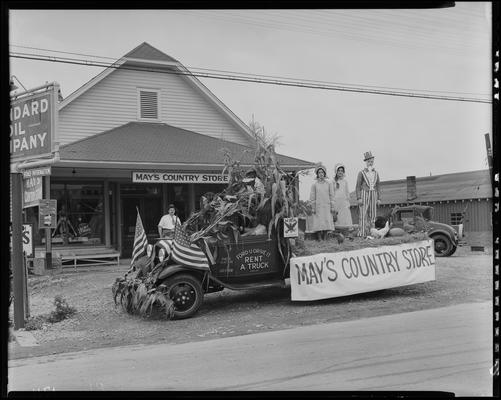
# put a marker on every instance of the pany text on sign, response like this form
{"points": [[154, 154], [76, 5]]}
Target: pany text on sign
{"points": [[175, 177], [327, 275], [32, 121]]}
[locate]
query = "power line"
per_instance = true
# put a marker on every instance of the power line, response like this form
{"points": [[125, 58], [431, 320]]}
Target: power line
{"points": [[329, 30], [261, 75], [243, 78]]}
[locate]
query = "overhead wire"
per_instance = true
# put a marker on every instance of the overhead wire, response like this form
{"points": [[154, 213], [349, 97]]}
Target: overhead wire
{"points": [[266, 76], [243, 78], [392, 27], [356, 36], [306, 16]]}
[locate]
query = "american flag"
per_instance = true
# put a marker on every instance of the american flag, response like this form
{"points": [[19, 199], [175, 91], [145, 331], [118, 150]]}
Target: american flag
{"points": [[187, 253], [165, 244], [140, 241]]}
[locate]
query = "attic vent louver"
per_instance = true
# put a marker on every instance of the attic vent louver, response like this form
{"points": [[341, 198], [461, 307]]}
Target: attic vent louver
{"points": [[148, 104]]}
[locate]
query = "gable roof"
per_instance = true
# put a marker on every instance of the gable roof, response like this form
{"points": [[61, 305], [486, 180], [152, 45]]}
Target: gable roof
{"points": [[456, 186], [145, 51], [148, 55], [157, 145]]}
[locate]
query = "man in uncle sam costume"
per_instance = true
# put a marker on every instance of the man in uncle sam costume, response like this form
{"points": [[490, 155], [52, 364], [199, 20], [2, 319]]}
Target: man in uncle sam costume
{"points": [[368, 195]]}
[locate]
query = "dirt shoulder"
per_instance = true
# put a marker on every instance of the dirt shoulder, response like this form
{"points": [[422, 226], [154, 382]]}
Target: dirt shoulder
{"points": [[463, 278]]}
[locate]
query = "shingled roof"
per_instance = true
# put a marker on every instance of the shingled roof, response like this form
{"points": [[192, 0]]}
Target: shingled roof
{"points": [[156, 143], [145, 51], [455, 186]]}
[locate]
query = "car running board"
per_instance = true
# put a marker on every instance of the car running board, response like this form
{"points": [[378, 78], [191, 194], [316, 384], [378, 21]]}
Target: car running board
{"points": [[257, 285]]}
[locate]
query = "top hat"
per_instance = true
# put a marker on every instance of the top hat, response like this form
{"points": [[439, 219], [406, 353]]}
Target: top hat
{"points": [[368, 155]]}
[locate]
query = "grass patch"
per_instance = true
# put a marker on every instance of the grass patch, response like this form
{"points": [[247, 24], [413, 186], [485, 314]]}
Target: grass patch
{"points": [[63, 311]]}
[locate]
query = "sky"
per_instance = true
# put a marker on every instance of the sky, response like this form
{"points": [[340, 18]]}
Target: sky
{"points": [[443, 52]]}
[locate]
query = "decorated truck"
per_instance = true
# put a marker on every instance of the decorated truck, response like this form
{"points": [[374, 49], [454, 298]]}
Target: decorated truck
{"points": [[248, 237]]}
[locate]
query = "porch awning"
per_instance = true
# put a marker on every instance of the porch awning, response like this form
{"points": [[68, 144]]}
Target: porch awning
{"points": [[154, 145]]}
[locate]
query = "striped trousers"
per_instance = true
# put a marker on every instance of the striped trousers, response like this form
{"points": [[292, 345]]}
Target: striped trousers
{"points": [[367, 212]]}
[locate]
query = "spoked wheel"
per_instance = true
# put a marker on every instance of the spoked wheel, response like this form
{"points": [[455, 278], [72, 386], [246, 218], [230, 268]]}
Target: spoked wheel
{"points": [[443, 246], [186, 293]]}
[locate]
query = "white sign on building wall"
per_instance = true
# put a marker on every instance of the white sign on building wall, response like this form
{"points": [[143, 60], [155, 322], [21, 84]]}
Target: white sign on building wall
{"points": [[175, 177]]}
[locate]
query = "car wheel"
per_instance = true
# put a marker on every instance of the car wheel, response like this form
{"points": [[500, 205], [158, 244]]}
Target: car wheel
{"points": [[443, 246], [186, 293]]}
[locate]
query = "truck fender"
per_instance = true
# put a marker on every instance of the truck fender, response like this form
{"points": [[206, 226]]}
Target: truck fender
{"points": [[433, 232], [173, 269]]}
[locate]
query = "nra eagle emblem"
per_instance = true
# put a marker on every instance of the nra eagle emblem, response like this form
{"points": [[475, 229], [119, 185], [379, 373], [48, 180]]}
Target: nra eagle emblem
{"points": [[291, 227]]}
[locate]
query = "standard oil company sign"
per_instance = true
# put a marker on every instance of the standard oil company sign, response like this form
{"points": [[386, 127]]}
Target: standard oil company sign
{"points": [[32, 125]]}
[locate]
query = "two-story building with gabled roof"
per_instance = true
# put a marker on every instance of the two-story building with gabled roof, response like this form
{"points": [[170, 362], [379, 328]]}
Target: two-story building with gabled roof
{"points": [[142, 134]]}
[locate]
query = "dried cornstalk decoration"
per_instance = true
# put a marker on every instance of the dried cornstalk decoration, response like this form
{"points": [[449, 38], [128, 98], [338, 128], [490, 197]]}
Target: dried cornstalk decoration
{"points": [[219, 218], [138, 294]]}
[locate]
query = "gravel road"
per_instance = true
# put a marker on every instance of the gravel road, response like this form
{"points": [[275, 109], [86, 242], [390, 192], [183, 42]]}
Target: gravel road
{"points": [[462, 278]]}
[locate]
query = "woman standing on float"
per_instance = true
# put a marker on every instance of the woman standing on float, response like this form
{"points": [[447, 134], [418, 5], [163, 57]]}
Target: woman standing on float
{"points": [[341, 197], [322, 203]]}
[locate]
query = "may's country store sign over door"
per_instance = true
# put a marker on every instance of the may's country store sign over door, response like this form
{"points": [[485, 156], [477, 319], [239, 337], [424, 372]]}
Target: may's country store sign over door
{"points": [[32, 125]]}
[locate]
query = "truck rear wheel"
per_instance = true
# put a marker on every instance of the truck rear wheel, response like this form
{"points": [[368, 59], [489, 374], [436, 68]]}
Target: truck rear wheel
{"points": [[186, 292], [443, 245]]}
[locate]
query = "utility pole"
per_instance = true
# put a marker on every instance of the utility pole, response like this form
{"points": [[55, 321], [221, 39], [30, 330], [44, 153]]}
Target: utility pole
{"points": [[18, 270], [489, 157]]}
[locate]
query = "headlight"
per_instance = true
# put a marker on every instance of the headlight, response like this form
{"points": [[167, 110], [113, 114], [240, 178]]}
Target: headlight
{"points": [[161, 255], [149, 249]]}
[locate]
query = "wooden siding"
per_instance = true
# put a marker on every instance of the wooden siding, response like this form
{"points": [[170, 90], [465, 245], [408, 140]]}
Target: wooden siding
{"points": [[477, 216], [113, 102]]}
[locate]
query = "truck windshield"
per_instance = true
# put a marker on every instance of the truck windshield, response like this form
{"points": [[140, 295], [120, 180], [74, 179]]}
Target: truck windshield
{"points": [[428, 214]]}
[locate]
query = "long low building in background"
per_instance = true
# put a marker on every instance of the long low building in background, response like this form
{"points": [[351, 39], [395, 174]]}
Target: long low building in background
{"points": [[451, 195]]}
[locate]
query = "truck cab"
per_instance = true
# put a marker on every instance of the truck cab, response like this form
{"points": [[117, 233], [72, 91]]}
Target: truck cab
{"points": [[418, 218]]}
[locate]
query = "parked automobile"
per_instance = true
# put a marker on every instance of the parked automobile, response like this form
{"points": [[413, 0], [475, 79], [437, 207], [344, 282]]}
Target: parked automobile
{"points": [[252, 262], [418, 218]]}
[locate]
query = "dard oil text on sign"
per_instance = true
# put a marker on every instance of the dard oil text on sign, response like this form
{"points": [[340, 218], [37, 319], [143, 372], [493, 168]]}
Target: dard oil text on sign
{"points": [[31, 126]]}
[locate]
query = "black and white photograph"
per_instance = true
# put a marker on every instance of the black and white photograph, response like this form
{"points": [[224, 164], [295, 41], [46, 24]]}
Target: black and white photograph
{"points": [[252, 200]]}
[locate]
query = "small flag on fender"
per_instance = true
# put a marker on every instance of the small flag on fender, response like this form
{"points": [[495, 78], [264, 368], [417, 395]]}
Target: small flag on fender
{"points": [[140, 240]]}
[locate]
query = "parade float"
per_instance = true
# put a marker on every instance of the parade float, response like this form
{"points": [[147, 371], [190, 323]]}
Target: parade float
{"points": [[248, 237]]}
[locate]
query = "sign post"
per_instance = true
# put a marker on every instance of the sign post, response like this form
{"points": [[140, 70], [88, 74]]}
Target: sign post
{"points": [[33, 128], [47, 218], [29, 251], [18, 270]]}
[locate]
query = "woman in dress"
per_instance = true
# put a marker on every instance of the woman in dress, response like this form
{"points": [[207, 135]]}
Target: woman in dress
{"points": [[341, 197], [322, 203]]}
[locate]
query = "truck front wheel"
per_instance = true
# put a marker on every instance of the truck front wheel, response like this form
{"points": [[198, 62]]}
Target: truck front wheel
{"points": [[186, 292], [443, 245]]}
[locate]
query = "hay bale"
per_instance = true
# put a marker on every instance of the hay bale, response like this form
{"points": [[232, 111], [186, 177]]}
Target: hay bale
{"points": [[310, 247]]}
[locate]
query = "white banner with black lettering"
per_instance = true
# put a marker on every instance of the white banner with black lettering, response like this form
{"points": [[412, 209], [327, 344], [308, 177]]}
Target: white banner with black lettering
{"points": [[327, 275]]}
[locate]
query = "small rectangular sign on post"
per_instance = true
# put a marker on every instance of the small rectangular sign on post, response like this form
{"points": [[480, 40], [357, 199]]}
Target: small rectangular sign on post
{"points": [[291, 227], [32, 191], [32, 185], [41, 171], [28, 244], [47, 214]]}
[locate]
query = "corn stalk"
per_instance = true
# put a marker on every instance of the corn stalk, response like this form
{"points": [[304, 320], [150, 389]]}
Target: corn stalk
{"points": [[139, 295]]}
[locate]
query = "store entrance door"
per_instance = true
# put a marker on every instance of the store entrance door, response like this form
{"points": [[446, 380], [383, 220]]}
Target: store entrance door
{"points": [[150, 209]]}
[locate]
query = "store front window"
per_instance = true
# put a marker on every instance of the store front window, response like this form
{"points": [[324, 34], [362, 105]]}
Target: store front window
{"points": [[80, 213]]}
